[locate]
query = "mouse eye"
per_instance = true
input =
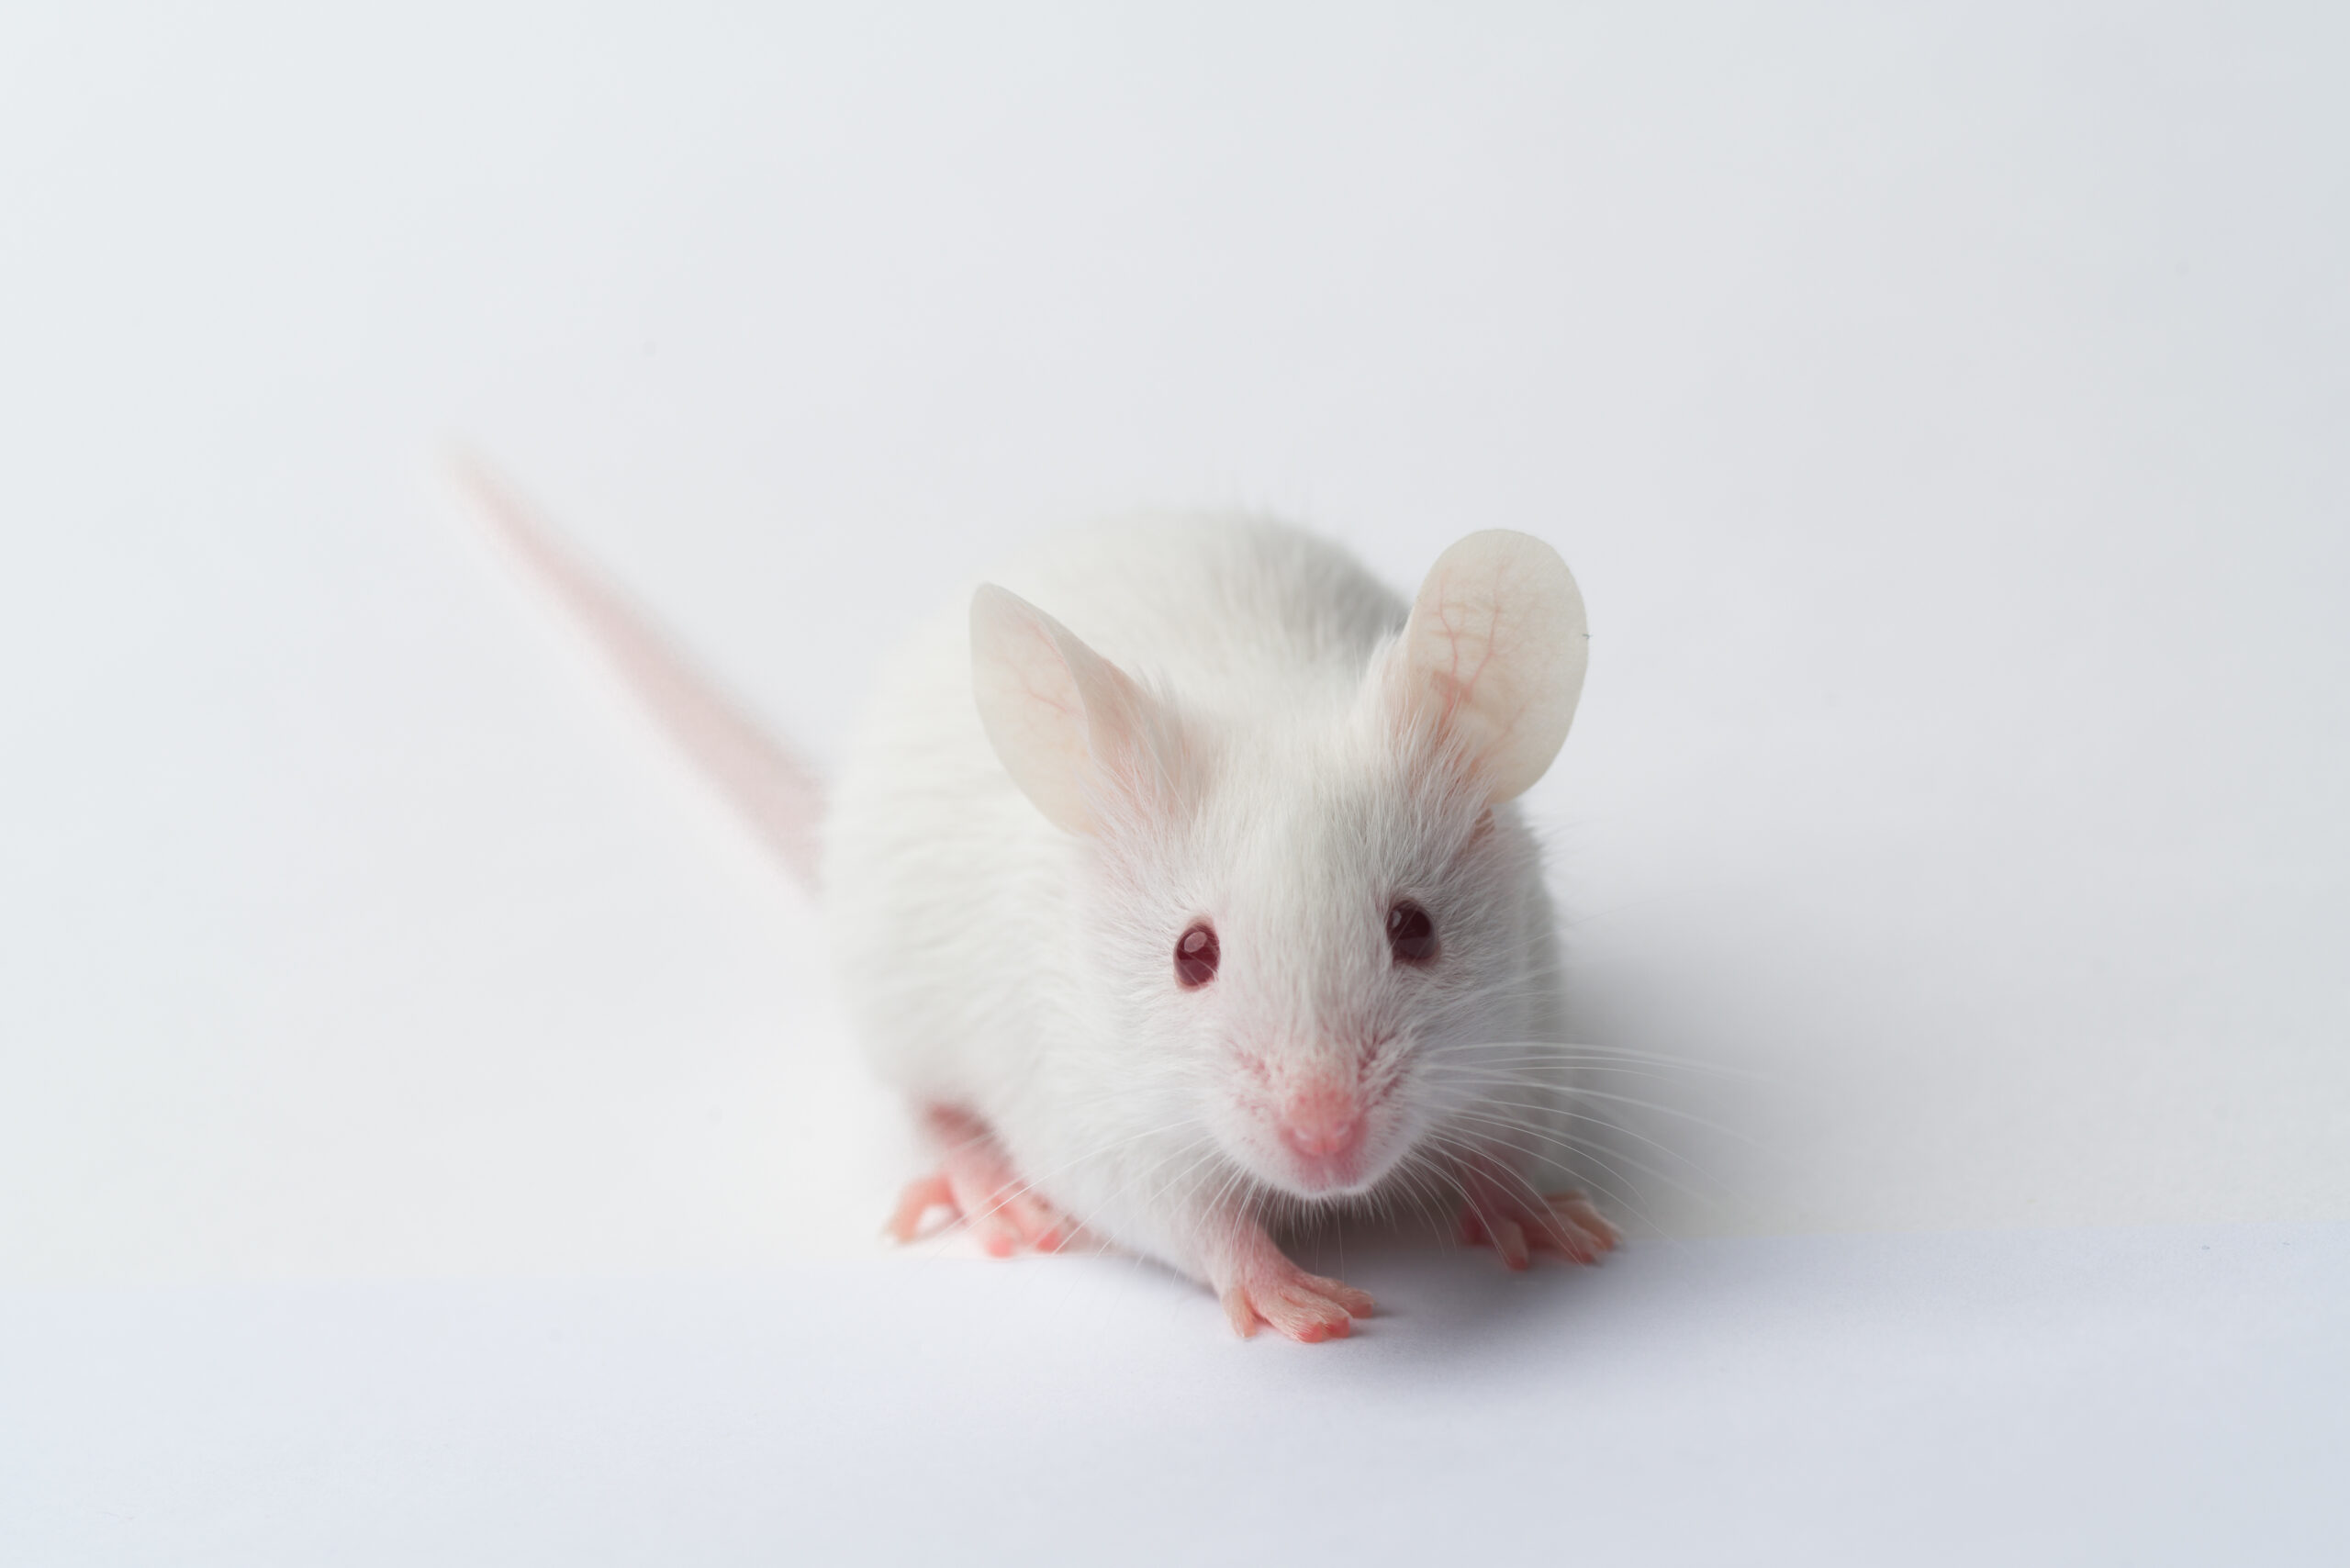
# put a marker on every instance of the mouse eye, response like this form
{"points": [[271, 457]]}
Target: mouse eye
{"points": [[1195, 958], [1411, 934]]}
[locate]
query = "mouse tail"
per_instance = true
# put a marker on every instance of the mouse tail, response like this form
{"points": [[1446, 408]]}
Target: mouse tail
{"points": [[774, 790]]}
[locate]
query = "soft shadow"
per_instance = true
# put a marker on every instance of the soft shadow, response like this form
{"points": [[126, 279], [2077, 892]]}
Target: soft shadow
{"points": [[1452, 1301]]}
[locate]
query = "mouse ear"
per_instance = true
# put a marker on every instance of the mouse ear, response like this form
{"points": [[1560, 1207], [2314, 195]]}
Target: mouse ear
{"points": [[1071, 728], [1493, 656]]}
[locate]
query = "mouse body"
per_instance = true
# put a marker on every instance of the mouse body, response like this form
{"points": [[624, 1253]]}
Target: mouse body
{"points": [[1174, 878]]}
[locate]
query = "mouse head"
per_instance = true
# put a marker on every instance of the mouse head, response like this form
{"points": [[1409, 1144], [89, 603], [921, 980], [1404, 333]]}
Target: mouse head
{"points": [[1304, 923]]}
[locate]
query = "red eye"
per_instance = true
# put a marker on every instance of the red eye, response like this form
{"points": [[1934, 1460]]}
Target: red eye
{"points": [[1411, 934], [1195, 958]]}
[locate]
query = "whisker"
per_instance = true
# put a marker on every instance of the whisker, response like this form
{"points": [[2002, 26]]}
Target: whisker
{"points": [[1587, 1149]]}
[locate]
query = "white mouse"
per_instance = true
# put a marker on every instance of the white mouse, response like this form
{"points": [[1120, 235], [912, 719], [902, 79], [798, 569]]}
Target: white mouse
{"points": [[1174, 879]]}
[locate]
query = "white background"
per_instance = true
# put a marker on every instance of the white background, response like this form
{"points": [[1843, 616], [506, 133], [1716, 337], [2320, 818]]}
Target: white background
{"points": [[1943, 415]]}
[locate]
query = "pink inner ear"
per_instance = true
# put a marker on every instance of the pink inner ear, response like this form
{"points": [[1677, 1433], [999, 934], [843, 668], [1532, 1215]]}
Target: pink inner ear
{"points": [[1046, 679], [1079, 735], [1426, 702], [1452, 693], [1141, 756], [1498, 634], [1453, 685], [1029, 704]]}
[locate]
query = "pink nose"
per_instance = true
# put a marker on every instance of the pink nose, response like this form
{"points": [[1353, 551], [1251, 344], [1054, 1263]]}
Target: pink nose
{"points": [[1321, 1123]]}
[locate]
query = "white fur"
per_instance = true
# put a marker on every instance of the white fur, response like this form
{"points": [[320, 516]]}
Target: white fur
{"points": [[1255, 746]]}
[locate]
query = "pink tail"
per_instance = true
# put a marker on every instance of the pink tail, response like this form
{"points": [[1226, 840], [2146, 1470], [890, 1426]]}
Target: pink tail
{"points": [[773, 789]]}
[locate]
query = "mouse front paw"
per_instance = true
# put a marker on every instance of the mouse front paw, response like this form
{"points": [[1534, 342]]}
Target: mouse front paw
{"points": [[976, 1181], [1519, 1223], [1259, 1285]]}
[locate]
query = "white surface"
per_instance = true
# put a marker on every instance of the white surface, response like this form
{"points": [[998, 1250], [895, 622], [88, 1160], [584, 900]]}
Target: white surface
{"points": [[2139, 1396], [1942, 415]]}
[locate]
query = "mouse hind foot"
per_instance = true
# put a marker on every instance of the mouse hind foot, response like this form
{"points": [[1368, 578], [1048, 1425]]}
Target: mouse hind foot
{"points": [[976, 1181]]}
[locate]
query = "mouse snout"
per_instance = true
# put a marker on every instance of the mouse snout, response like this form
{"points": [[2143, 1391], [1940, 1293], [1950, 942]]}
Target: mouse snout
{"points": [[1322, 1123]]}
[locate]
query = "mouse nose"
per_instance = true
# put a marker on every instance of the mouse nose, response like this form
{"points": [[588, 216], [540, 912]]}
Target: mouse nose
{"points": [[1321, 1123]]}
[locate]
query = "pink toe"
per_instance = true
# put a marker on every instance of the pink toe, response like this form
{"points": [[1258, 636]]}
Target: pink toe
{"points": [[922, 1195]]}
